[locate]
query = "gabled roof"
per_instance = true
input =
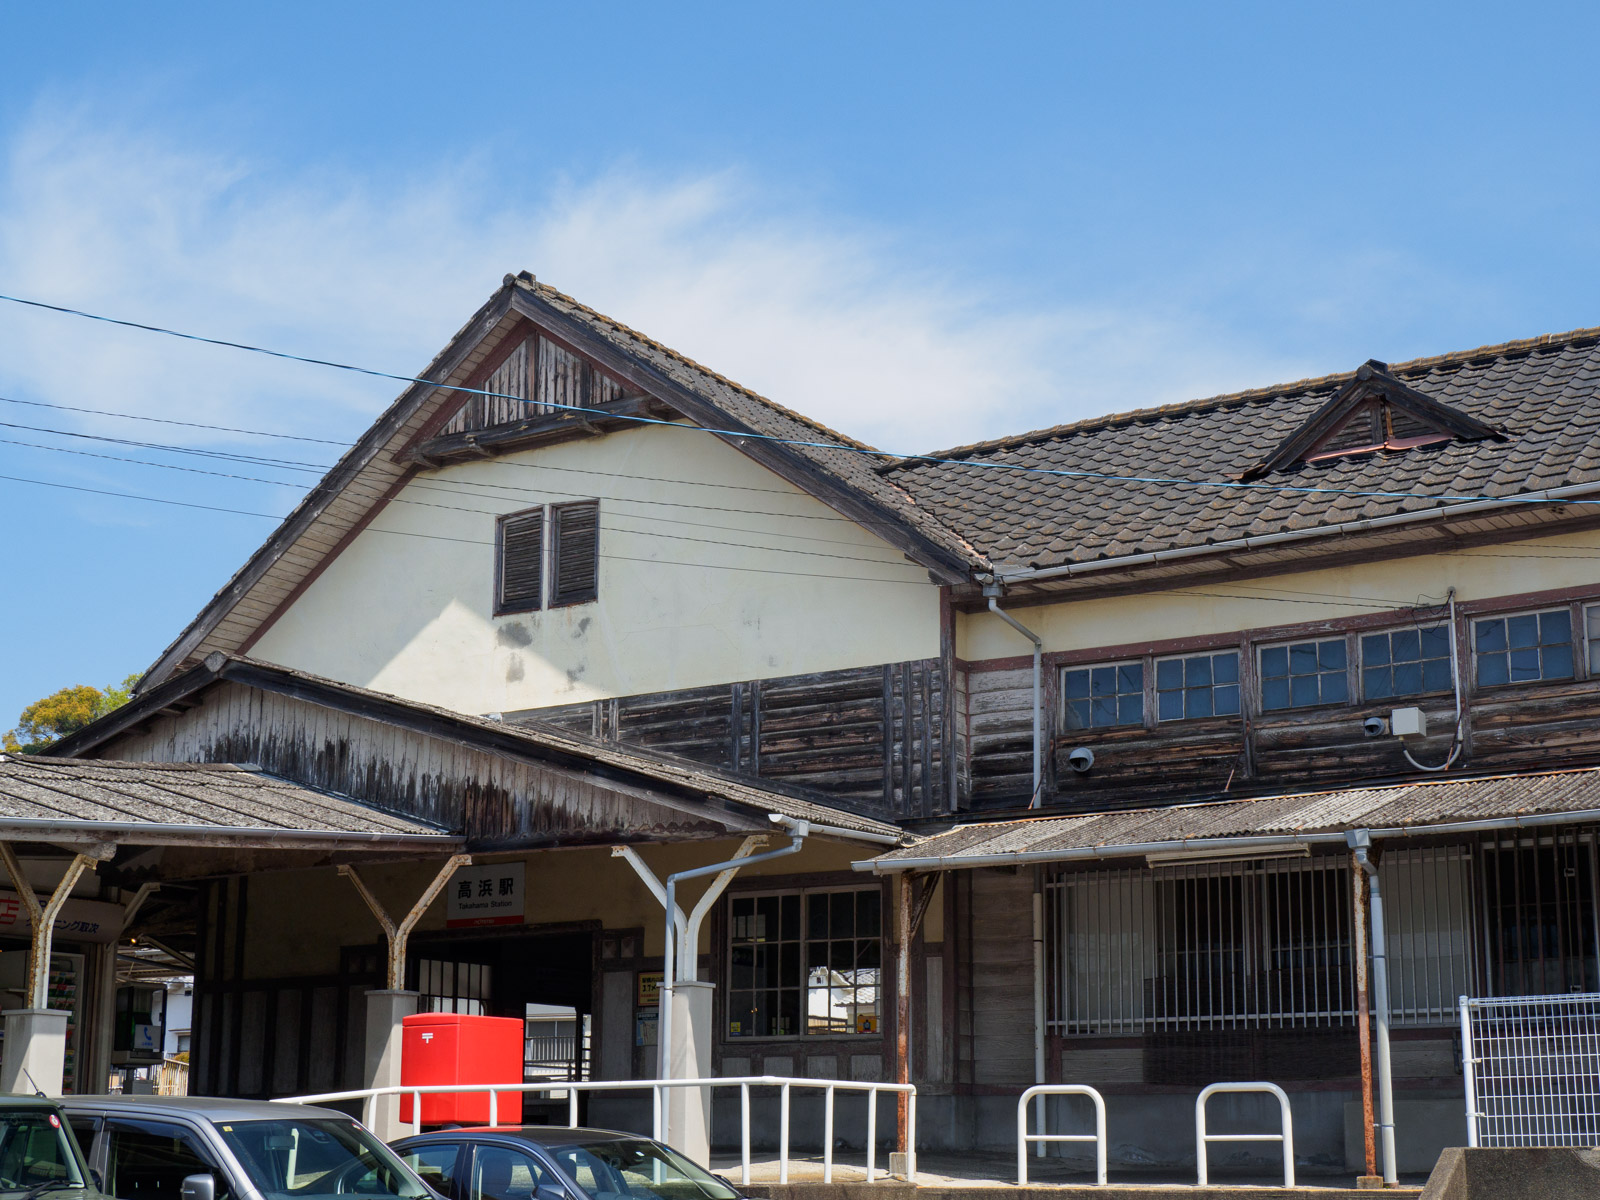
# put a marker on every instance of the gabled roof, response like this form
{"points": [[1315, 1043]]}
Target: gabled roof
{"points": [[705, 793], [1179, 466], [829, 466]]}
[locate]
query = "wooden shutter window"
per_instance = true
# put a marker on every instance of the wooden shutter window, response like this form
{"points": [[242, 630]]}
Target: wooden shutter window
{"points": [[575, 534], [520, 561]]}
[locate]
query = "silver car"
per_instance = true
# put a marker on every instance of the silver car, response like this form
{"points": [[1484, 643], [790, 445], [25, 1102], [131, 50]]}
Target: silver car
{"points": [[198, 1148]]}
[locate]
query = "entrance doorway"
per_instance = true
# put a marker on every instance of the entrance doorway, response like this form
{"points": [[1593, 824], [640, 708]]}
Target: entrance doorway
{"points": [[544, 979]]}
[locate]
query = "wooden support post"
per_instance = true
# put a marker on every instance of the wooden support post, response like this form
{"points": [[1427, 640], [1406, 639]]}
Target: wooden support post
{"points": [[1359, 886], [902, 1009], [42, 918], [398, 935]]}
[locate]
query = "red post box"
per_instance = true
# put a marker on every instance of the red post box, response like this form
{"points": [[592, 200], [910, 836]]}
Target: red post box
{"points": [[440, 1048]]}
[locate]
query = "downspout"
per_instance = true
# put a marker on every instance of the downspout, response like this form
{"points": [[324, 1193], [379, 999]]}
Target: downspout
{"points": [[1360, 841], [1038, 1001], [993, 592]]}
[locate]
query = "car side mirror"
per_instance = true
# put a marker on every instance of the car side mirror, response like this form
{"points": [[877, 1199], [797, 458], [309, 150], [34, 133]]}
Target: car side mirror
{"points": [[94, 1177], [548, 1191], [199, 1187]]}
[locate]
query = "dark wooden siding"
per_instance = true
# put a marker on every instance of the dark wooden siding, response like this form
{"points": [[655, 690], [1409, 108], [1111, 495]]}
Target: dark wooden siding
{"points": [[491, 799], [874, 738], [1507, 727]]}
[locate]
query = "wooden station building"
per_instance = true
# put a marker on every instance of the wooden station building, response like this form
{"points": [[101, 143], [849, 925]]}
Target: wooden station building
{"points": [[1100, 707]]}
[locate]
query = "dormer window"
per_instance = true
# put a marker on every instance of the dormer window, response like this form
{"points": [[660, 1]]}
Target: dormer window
{"points": [[1377, 425], [1374, 411]]}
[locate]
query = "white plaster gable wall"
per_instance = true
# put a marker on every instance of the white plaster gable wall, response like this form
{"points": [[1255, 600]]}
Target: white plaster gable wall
{"points": [[806, 590], [1515, 568]]}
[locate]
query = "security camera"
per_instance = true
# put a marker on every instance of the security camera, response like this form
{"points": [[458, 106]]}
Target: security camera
{"points": [[1081, 759], [1375, 726]]}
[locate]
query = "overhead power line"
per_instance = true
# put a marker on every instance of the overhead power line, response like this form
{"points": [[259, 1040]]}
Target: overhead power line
{"points": [[434, 537], [747, 434]]}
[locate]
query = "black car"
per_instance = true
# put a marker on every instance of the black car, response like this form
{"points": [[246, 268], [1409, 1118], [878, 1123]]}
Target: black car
{"points": [[544, 1162]]}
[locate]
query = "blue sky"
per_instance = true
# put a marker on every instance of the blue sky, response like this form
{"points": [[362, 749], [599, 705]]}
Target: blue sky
{"points": [[922, 223]]}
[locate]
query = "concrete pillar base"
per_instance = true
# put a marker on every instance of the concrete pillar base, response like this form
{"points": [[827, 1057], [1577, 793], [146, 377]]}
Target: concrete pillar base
{"points": [[35, 1056], [688, 1110], [385, 1011]]}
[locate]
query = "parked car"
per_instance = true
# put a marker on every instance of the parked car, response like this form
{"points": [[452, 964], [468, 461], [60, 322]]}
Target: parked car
{"points": [[38, 1153], [546, 1162], [198, 1148]]}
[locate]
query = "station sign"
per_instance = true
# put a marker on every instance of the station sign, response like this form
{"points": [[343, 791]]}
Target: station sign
{"points": [[490, 894]]}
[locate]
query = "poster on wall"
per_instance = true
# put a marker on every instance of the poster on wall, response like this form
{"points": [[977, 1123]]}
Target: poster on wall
{"points": [[650, 988], [490, 894]]}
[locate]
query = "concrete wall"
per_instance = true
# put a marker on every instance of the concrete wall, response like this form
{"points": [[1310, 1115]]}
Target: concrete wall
{"points": [[804, 590], [1287, 599]]}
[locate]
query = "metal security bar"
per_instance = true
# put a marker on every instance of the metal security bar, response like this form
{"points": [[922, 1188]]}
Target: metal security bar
{"points": [[1541, 924], [1098, 1137], [1532, 1070], [1285, 1133], [1200, 947], [1428, 932]]}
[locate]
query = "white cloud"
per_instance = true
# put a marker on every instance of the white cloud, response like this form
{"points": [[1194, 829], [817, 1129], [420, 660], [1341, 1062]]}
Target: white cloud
{"points": [[834, 319]]}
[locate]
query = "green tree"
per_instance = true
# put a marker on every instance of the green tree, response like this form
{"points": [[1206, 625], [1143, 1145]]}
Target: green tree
{"points": [[47, 721]]}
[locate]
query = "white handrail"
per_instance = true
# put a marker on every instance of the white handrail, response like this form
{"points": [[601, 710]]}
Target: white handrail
{"points": [[1284, 1135], [657, 1087], [1098, 1137]]}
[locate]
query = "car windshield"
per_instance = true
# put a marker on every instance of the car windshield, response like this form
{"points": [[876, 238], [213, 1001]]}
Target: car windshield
{"points": [[615, 1170], [318, 1158], [35, 1155]]}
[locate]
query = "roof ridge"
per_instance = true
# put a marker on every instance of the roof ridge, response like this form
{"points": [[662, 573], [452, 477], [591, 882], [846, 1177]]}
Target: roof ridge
{"points": [[1229, 399], [527, 280]]}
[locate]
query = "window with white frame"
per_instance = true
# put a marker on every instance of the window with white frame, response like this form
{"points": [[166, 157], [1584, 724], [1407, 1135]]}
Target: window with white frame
{"points": [[1523, 648], [1591, 623], [1304, 674], [1197, 685], [804, 963], [1102, 696], [1405, 662]]}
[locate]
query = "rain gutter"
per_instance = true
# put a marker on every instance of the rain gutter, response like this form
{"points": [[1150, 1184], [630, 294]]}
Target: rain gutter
{"points": [[1068, 570], [954, 862]]}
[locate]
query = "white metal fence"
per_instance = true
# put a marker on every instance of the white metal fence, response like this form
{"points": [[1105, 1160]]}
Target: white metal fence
{"points": [[1532, 1070], [371, 1097]]}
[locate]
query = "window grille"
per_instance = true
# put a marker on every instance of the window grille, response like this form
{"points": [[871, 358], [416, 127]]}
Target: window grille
{"points": [[1405, 662], [1303, 674], [1213, 946], [1103, 696], [1428, 932], [804, 963], [453, 987], [1198, 685], [1523, 648], [1539, 914]]}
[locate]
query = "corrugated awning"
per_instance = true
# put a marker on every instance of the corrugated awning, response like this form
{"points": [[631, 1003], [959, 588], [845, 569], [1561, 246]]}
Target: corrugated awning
{"points": [[188, 804], [1265, 824]]}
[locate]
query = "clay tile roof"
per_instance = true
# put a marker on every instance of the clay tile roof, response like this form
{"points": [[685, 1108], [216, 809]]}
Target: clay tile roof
{"points": [[1541, 392]]}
